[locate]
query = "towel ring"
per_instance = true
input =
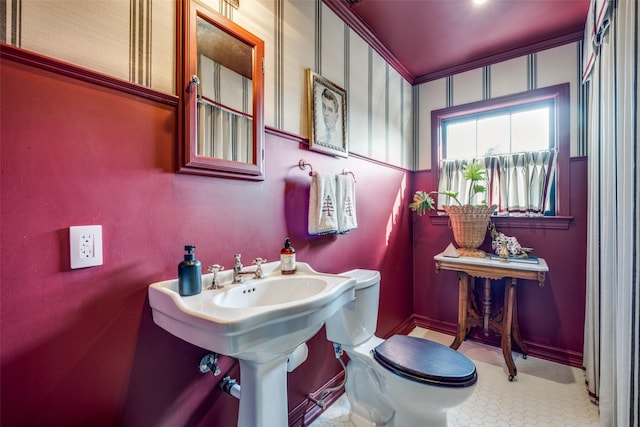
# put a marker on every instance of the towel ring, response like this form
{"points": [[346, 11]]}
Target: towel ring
{"points": [[302, 165]]}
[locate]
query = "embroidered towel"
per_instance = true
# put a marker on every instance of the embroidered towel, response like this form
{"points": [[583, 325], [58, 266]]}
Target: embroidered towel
{"points": [[346, 196], [322, 204]]}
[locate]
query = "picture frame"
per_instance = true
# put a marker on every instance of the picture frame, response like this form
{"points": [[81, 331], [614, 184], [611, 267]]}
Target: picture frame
{"points": [[327, 108]]}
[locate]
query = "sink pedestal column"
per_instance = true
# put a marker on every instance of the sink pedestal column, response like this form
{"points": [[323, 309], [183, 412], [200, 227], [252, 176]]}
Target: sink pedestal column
{"points": [[263, 393]]}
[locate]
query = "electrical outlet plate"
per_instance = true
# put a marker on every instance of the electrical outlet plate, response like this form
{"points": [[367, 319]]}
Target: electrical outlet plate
{"points": [[85, 247]]}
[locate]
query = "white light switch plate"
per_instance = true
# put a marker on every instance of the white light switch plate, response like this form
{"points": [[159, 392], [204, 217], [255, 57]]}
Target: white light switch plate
{"points": [[85, 247]]}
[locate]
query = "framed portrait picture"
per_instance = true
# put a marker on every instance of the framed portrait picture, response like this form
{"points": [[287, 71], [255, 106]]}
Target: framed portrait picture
{"points": [[327, 116]]}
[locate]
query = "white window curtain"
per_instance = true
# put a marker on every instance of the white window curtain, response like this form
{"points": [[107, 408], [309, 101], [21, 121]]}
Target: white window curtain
{"points": [[612, 310], [517, 183]]}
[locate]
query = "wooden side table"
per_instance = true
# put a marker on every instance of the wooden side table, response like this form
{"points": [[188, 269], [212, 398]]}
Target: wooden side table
{"points": [[506, 323]]}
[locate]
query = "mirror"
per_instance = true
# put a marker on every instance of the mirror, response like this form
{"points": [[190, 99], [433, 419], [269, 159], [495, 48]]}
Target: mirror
{"points": [[222, 98]]}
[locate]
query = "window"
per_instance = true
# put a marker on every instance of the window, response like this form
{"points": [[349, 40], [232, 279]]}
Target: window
{"points": [[521, 140], [505, 131]]}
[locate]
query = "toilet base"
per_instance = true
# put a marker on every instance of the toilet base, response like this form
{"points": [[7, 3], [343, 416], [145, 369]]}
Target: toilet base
{"points": [[369, 408]]}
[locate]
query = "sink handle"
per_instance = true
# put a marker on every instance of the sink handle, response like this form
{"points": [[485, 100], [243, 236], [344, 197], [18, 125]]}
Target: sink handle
{"points": [[215, 283], [258, 262]]}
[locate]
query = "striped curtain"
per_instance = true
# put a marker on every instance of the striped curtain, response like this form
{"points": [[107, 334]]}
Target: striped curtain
{"points": [[612, 322], [224, 134], [517, 183]]}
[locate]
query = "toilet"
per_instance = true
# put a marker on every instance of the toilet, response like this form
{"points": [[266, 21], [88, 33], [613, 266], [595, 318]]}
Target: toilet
{"points": [[402, 381]]}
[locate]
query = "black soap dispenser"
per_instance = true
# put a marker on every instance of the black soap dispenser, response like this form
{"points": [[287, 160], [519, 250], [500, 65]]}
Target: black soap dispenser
{"points": [[189, 274]]}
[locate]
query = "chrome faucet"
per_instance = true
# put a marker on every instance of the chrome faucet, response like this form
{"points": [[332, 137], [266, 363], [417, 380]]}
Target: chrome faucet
{"points": [[238, 273], [237, 269]]}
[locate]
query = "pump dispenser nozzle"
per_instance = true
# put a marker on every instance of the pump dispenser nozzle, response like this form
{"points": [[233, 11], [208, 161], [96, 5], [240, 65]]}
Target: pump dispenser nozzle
{"points": [[189, 255]]}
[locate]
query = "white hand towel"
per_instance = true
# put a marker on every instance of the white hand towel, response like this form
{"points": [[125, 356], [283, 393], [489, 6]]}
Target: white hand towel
{"points": [[346, 196], [323, 217]]}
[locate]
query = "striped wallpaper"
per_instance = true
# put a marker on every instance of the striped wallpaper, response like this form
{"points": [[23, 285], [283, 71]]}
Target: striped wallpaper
{"points": [[385, 114], [10, 22], [537, 70], [140, 42]]}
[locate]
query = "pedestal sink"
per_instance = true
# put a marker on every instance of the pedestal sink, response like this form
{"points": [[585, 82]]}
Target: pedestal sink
{"points": [[260, 322]]}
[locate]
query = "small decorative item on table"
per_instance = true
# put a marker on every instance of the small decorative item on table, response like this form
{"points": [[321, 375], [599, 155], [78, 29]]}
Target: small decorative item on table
{"points": [[451, 251], [507, 248], [503, 251]]}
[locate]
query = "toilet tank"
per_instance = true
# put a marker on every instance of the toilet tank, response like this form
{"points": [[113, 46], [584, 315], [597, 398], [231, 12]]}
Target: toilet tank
{"points": [[356, 322]]}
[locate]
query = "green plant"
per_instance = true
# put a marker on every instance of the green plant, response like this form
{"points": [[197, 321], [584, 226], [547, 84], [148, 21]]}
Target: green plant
{"points": [[473, 172]]}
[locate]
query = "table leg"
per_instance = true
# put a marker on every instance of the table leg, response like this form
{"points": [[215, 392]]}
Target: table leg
{"points": [[516, 328], [463, 289], [509, 297], [486, 306]]}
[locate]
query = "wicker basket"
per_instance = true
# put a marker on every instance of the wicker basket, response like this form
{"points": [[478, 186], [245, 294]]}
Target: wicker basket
{"points": [[469, 224]]}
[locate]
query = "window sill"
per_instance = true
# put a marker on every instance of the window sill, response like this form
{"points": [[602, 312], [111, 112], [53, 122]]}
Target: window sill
{"points": [[501, 222]]}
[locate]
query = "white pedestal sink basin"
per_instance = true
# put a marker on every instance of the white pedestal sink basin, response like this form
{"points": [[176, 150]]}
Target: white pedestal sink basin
{"points": [[260, 322]]}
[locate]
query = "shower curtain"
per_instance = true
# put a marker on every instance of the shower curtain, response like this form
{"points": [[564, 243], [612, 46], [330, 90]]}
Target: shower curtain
{"points": [[612, 323]]}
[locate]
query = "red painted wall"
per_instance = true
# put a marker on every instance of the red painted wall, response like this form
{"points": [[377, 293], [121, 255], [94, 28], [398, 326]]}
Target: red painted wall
{"points": [[551, 318], [79, 347]]}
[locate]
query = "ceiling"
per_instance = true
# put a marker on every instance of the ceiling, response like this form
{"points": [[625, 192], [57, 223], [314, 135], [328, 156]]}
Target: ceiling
{"points": [[429, 39]]}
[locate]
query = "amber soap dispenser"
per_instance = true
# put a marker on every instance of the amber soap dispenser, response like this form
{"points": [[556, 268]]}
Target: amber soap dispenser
{"points": [[287, 258]]}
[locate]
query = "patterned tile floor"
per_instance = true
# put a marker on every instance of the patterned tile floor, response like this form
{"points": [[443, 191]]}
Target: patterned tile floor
{"points": [[543, 394]]}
